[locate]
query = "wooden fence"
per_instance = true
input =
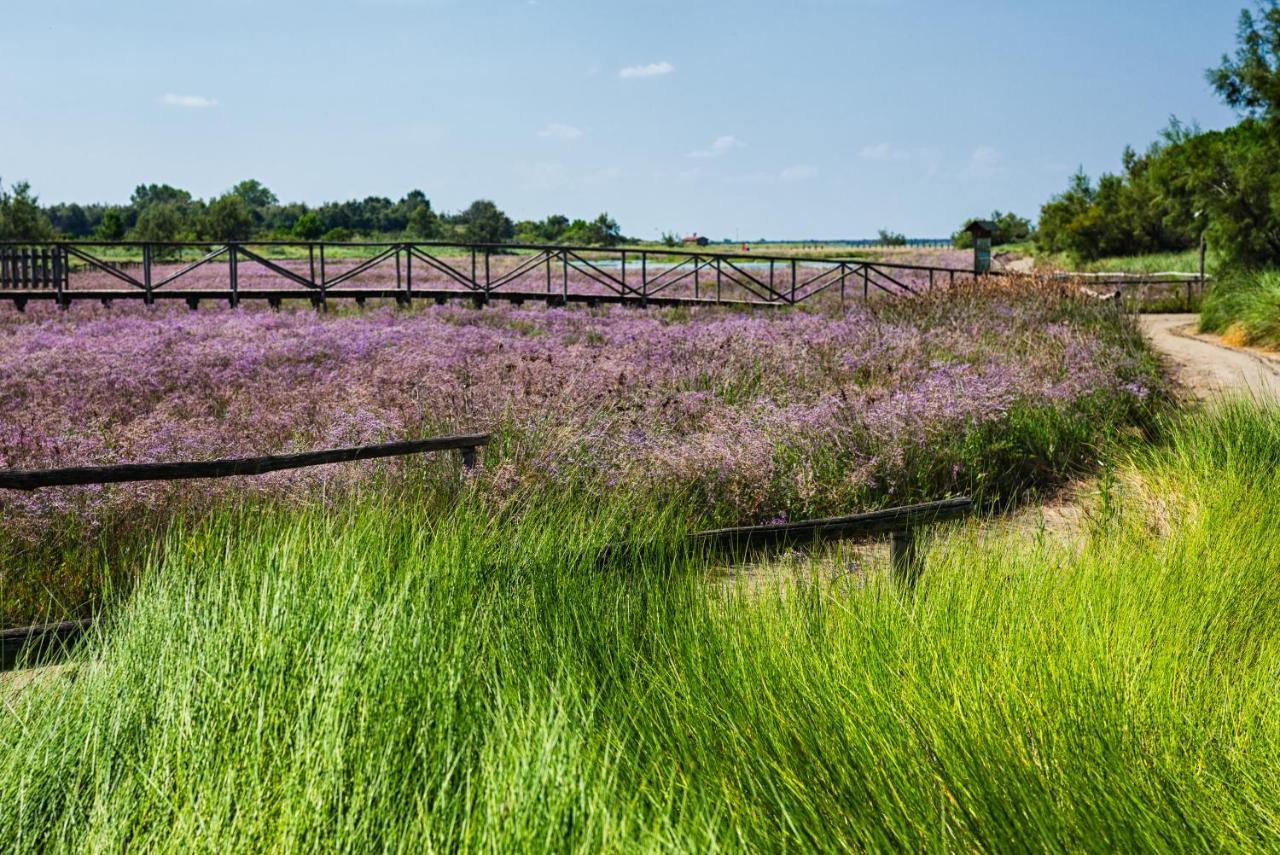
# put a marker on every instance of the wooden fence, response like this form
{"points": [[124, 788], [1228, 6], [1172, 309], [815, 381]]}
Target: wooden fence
{"points": [[65, 271]]}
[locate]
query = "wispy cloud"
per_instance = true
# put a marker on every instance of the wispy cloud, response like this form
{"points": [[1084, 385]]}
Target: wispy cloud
{"points": [[883, 151], [561, 132], [190, 102], [985, 162], [720, 146], [653, 69], [798, 172]]}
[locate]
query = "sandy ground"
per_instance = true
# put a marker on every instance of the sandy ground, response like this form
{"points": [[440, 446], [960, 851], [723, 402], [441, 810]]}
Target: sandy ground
{"points": [[1206, 368]]}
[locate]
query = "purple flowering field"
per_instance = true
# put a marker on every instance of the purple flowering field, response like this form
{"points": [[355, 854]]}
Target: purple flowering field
{"points": [[752, 415]]}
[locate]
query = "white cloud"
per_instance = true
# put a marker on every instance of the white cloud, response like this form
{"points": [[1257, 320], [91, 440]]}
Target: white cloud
{"points": [[721, 145], [190, 102], [882, 151], [798, 172], [653, 69], [985, 162], [561, 132]]}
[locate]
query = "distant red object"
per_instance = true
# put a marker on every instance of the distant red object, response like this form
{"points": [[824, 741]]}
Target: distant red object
{"points": [[695, 238]]}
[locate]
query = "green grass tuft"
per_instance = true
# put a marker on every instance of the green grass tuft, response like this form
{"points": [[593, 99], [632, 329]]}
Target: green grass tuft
{"points": [[367, 675]]}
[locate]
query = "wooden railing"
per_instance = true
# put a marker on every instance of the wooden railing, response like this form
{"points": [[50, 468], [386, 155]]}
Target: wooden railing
{"points": [[403, 271]]}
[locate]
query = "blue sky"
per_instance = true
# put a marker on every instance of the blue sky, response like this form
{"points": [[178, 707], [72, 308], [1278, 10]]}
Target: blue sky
{"points": [[811, 118]]}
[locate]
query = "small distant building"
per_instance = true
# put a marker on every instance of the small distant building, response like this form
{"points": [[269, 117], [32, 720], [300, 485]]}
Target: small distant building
{"points": [[695, 238], [982, 231]]}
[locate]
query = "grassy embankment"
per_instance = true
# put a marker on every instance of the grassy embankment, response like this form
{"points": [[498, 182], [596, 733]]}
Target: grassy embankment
{"points": [[1245, 309], [350, 677]]}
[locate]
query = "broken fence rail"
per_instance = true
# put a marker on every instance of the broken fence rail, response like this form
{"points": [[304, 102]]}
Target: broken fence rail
{"points": [[34, 479], [900, 523]]}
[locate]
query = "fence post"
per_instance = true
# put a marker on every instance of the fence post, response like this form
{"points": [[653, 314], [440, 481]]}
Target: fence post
{"points": [[59, 275], [904, 558], [469, 457], [793, 281], [146, 274], [233, 269]]}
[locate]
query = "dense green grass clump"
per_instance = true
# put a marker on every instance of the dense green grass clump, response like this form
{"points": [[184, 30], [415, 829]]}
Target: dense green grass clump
{"points": [[365, 677], [1245, 308]]}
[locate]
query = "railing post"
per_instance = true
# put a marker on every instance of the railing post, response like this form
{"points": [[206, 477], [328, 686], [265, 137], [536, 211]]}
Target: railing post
{"points": [[644, 277], [60, 275], [408, 272], [146, 274], [623, 271], [487, 278], [697, 291], [469, 457], [904, 558], [311, 261], [866, 282], [719, 278], [320, 284], [564, 286], [844, 272], [793, 281], [399, 284], [233, 264]]}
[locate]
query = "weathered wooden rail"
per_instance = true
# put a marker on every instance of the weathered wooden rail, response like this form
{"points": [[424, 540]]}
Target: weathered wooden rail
{"points": [[403, 271], [899, 523], [34, 479], [37, 643]]}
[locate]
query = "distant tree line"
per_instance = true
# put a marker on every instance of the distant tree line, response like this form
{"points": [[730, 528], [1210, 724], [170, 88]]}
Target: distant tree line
{"points": [[1223, 185], [250, 211]]}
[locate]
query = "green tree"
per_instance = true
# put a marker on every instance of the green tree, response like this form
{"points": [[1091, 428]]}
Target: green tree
{"points": [[229, 218], [1250, 82], [308, 226], [483, 222], [423, 222], [112, 226], [146, 195], [255, 194], [20, 215], [160, 222]]}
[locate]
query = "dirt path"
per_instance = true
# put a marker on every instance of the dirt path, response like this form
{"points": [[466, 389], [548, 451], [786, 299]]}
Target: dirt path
{"points": [[1207, 368]]}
